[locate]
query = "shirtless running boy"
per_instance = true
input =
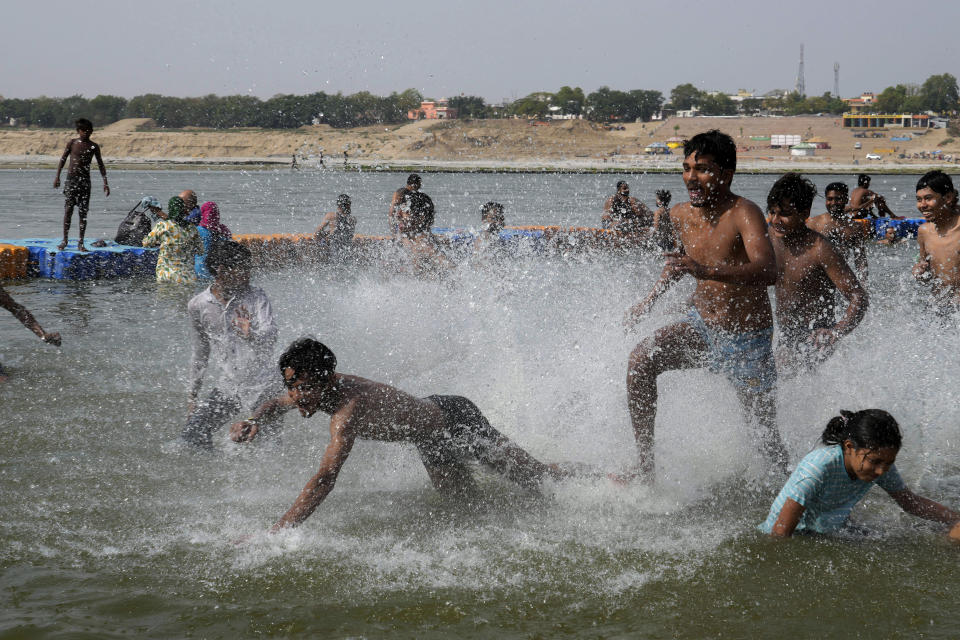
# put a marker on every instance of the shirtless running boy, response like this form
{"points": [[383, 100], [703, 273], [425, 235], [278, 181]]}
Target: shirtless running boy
{"points": [[938, 239], [446, 430], [76, 189], [809, 274], [724, 245], [845, 235]]}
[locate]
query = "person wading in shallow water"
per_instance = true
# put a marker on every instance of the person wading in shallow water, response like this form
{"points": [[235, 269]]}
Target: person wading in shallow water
{"points": [[723, 244]]}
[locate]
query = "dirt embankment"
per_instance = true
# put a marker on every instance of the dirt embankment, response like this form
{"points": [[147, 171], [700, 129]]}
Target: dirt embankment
{"points": [[466, 142]]}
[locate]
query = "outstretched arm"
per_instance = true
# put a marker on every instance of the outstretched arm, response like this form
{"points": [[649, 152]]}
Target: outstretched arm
{"points": [[668, 277], [927, 509], [321, 484], [23, 315], [247, 430], [789, 518], [846, 283]]}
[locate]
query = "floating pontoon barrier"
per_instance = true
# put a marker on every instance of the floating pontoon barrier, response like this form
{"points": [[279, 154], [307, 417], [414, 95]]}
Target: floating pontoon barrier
{"points": [[906, 228], [45, 260], [13, 261]]}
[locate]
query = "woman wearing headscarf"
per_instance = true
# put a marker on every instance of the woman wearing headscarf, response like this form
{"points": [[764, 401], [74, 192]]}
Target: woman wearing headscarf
{"points": [[178, 242], [211, 232]]}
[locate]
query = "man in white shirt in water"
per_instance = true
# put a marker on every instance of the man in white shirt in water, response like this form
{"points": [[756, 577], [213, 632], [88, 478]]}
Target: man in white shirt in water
{"points": [[232, 320]]}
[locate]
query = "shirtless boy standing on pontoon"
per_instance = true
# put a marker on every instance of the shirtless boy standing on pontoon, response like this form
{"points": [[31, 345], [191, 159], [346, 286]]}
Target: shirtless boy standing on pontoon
{"points": [[76, 191], [724, 245]]}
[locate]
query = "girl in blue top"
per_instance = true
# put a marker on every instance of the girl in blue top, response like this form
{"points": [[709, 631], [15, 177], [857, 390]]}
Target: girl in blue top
{"points": [[829, 481]]}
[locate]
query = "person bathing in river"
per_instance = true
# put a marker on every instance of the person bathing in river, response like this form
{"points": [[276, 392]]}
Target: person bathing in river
{"points": [[860, 451], [336, 230], [76, 190], [231, 323], [446, 430], [938, 239], [624, 213], [178, 242], [862, 201], [810, 272], [211, 231], [846, 235], [26, 318], [723, 243]]}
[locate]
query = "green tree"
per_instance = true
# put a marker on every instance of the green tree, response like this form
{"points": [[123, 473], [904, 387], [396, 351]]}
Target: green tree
{"points": [[469, 106], [105, 110], [940, 93], [646, 103], [685, 96], [535, 105], [718, 104], [571, 101]]}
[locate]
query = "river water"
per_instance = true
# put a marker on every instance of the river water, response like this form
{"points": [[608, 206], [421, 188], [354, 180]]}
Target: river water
{"points": [[111, 528]]}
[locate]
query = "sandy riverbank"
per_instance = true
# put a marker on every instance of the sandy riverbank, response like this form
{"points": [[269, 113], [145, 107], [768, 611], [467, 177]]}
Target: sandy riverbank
{"points": [[511, 145]]}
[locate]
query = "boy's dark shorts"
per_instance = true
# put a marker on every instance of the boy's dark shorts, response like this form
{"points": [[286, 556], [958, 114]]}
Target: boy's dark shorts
{"points": [[468, 435], [76, 191]]}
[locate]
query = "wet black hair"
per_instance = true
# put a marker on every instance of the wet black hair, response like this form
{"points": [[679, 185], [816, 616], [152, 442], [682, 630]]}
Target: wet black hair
{"points": [[414, 180], [227, 253], [82, 124], [793, 188], [837, 186], [868, 429], [622, 183], [863, 180], [664, 196], [343, 201], [422, 211], [937, 181], [717, 145], [494, 210], [307, 356]]}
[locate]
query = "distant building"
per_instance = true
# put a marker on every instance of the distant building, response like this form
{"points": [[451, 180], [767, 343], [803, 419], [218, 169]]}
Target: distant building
{"points": [[863, 104], [877, 120], [433, 110]]}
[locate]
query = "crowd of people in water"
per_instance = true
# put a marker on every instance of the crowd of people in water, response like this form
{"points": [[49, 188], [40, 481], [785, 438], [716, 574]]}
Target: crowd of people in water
{"points": [[732, 249]]}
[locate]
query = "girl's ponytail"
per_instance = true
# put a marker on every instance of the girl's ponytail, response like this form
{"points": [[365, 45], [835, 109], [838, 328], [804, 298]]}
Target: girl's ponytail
{"points": [[867, 429]]}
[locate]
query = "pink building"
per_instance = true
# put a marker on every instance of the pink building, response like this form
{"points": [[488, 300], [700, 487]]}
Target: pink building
{"points": [[430, 110]]}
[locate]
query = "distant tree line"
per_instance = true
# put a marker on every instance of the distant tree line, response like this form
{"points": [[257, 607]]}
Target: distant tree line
{"points": [[939, 93], [215, 112]]}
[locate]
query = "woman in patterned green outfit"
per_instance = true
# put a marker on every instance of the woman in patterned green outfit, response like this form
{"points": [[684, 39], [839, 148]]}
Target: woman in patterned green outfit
{"points": [[178, 241]]}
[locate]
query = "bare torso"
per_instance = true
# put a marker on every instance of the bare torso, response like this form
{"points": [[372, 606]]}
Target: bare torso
{"points": [[81, 153], [941, 250], [843, 235], [716, 242], [804, 291], [381, 412]]}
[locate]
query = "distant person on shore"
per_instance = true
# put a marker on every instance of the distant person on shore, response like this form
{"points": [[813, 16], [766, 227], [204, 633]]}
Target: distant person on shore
{"points": [[136, 225], [76, 190], [492, 222], [336, 231], [624, 213], [293, 163], [178, 242], [20, 313], [402, 195], [862, 201], [847, 236], [723, 243], [860, 449], [190, 202], [233, 327], [938, 239], [663, 233], [810, 272], [448, 431], [211, 231]]}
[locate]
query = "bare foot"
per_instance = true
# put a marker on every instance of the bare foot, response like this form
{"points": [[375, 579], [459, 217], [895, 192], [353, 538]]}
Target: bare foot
{"points": [[62, 245], [80, 247]]}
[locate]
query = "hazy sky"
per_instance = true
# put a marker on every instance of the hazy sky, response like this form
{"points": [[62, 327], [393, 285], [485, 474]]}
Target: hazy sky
{"points": [[494, 49]]}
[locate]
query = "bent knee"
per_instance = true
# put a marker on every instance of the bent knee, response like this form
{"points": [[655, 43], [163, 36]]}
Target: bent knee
{"points": [[641, 358]]}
